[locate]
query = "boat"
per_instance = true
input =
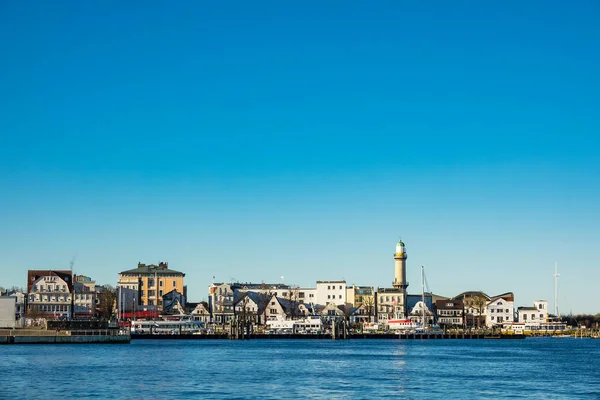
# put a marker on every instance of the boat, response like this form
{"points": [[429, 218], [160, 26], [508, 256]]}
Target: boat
{"points": [[179, 327], [401, 324]]}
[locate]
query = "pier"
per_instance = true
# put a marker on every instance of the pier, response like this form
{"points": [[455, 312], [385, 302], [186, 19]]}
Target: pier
{"points": [[42, 336]]}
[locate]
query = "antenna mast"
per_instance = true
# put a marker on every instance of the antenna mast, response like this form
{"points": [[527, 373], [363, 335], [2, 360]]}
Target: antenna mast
{"points": [[423, 294], [556, 275]]}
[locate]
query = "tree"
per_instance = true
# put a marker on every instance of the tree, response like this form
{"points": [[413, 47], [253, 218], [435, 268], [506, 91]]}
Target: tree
{"points": [[468, 307], [293, 297], [369, 304], [264, 303], [244, 315], [106, 302], [479, 302]]}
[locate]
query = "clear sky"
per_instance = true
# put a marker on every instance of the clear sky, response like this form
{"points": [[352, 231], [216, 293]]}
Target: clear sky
{"points": [[250, 141]]}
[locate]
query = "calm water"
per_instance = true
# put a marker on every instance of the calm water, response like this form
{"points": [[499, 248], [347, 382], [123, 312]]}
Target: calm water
{"points": [[532, 368]]}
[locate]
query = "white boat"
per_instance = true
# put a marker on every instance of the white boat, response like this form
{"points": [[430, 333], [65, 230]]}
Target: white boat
{"points": [[180, 327], [401, 324]]}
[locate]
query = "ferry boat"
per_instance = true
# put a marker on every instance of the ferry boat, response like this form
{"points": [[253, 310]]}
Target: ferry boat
{"points": [[401, 324], [181, 327]]}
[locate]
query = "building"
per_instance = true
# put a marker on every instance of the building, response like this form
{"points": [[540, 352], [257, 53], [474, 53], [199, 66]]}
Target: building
{"points": [[500, 310], [49, 294], [538, 314], [391, 302], [173, 302], [331, 292], [199, 312], [12, 311], [418, 311], [356, 296], [450, 313], [152, 282], [220, 302], [84, 296]]}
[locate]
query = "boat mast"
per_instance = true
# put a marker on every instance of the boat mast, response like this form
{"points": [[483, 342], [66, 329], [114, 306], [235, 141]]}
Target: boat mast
{"points": [[556, 275], [423, 293]]}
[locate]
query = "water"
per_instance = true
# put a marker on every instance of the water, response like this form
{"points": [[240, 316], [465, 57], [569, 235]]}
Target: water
{"points": [[542, 368]]}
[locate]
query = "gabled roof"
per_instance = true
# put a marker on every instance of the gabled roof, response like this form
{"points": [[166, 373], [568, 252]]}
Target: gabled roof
{"points": [[35, 274], [260, 299], [508, 296]]}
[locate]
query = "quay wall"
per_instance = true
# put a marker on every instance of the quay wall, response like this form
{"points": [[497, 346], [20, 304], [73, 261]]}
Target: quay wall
{"points": [[407, 336], [48, 337]]}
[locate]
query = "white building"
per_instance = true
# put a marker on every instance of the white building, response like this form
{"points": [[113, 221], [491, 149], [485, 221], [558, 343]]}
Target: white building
{"points": [[49, 294], [201, 313], [12, 311], [84, 297], [419, 310], [331, 292], [500, 310], [538, 314]]}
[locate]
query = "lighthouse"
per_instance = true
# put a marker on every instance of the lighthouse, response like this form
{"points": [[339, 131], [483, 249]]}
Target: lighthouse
{"points": [[400, 266]]}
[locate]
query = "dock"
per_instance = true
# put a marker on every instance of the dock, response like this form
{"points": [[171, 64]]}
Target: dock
{"points": [[40, 336]]}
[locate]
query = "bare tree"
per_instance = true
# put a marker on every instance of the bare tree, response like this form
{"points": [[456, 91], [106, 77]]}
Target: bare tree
{"points": [[468, 304], [479, 302], [242, 314], [106, 302], [369, 304], [293, 297], [264, 303]]}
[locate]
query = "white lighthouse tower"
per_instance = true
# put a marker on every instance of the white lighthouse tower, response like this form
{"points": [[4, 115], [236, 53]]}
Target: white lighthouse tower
{"points": [[400, 266]]}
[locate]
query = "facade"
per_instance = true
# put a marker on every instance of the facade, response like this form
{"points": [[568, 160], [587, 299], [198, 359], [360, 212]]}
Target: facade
{"points": [[220, 301], [152, 282], [356, 296], [417, 312], [12, 311], [538, 314], [84, 296], [450, 313], [173, 302], [332, 313], [201, 313], [331, 292], [49, 294], [500, 310]]}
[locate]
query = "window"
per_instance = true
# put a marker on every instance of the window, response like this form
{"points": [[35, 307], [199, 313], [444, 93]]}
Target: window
{"points": [[273, 311], [340, 296], [328, 287], [532, 316], [160, 292], [160, 283], [340, 287], [329, 296], [174, 283]]}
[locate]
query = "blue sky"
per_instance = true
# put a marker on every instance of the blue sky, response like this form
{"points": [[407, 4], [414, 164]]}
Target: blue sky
{"points": [[251, 141]]}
